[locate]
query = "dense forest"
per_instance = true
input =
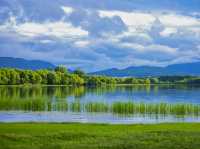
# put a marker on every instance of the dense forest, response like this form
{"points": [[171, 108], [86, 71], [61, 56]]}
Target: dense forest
{"points": [[61, 76]]}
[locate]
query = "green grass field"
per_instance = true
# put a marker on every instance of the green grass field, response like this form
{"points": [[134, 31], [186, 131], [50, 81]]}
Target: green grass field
{"points": [[99, 136]]}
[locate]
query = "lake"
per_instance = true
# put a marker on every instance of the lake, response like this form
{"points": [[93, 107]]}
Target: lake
{"points": [[109, 104]]}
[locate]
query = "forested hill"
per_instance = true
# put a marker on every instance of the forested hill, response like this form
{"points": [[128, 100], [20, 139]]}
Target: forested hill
{"points": [[20, 63], [61, 76], [192, 69], [186, 69]]}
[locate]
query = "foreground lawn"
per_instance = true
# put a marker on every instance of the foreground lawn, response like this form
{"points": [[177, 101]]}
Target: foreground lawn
{"points": [[92, 136]]}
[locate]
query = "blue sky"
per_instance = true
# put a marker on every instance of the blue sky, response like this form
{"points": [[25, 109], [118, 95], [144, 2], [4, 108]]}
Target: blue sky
{"points": [[95, 35]]}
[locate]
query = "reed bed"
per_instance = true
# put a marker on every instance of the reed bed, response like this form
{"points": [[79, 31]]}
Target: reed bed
{"points": [[121, 108], [31, 105], [96, 107], [178, 109], [75, 107]]}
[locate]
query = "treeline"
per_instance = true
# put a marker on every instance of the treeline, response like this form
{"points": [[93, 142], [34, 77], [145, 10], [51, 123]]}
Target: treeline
{"points": [[60, 76]]}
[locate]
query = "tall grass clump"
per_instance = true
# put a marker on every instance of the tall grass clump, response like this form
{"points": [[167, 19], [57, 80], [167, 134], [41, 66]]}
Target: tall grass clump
{"points": [[177, 109], [123, 107], [25, 104], [60, 106], [185, 109], [75, 107], [96, 107]]}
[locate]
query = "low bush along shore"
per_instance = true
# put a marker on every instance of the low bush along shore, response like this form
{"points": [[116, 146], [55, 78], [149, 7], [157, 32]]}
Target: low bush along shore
{"points": [[79, 136]]}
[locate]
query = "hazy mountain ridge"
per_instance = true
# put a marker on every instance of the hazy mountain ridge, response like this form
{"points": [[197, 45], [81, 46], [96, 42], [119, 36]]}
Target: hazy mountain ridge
{"points": [[143, 71], [20, 63], [139, 71]]}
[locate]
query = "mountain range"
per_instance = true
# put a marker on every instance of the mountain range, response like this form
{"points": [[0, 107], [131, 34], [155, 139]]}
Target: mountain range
{"points": [[144, 71], [136, 71], [20, 63]]}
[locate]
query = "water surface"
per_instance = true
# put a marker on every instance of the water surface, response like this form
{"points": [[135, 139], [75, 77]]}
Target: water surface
{"points": [[114, 104]]}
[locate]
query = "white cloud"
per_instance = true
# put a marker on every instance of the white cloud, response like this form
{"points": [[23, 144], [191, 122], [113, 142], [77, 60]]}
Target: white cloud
{"points": [[141, 22], [57, 29], [130, 18], [161, 48], [146, 19], [31, 29], [168, 31], [174, 20], [67, 10], [81, 44], [150, 48], [46, 41]]}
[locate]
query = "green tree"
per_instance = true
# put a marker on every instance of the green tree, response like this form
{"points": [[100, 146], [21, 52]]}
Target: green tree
{"points": [[43, 74], [61, 69], [24, 77], [93, 81], [154, 80], [79, 72], [51, 78], [147, 81], [3, 78], [131, 81], [65, 79], [35, 78], [13, 76], [76, 80], [59, 77]]}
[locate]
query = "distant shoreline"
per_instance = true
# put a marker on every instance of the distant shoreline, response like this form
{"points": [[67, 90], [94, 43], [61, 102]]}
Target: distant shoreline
{"points": [[161, 84]]}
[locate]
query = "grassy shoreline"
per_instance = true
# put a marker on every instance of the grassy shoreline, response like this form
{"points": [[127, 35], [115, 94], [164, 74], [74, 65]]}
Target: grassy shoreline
{"points": [[79, 136]]}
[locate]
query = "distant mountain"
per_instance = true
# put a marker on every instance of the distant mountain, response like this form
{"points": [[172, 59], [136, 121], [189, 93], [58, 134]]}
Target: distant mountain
{"points": [[144, 71], [21, 63]]}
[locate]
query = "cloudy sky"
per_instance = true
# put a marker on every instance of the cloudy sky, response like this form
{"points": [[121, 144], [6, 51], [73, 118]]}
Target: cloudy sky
{"points": [[100, 34]]}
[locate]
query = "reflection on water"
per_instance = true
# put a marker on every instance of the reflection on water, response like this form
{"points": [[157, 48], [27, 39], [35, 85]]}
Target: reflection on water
{"points": [[88, 117], [114, 104]]}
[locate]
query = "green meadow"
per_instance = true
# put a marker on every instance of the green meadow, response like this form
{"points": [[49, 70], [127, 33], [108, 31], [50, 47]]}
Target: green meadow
{"points": [[99, 136]]}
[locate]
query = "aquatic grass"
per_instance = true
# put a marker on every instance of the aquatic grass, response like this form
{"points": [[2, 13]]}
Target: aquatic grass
{"points": [[34, 105], [75, 107], [176, 109], [30, 105], [123, 107], [26, 105], [96, 107], [60, 106], [120, 108]]}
